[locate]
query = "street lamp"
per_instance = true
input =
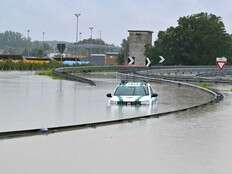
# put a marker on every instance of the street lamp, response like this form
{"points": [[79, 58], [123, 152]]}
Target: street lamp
{"points": [[28, 40], [77, 16], [100, 34], [43, 36], [91, 32], [80, 34], [43, 43]]}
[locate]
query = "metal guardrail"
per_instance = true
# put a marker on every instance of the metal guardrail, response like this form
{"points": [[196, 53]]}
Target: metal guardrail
{"points": [[67, 75]]}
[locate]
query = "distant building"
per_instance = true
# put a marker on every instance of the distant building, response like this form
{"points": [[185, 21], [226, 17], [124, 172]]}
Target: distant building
{"points": [[111, 58], [95, 59], [137, 41]]}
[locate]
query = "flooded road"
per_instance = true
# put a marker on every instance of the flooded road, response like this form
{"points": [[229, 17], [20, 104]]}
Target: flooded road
{"points": [[192, 142], [29, 101]]}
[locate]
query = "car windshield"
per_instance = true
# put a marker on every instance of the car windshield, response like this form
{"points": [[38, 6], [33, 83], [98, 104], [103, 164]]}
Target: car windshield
{"points": [[131, 91]]}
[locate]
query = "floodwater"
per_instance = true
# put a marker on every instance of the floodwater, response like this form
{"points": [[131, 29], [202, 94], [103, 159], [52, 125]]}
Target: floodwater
{"points": [[29, 101], [197, 141], [192, 142]]}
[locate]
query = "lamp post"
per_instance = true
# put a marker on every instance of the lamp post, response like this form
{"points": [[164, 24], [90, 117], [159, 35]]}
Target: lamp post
{"points": [[28, 40], [43, 42], [80, 34], [43, 36], [77, 16], [100, 34], [91, 32]]}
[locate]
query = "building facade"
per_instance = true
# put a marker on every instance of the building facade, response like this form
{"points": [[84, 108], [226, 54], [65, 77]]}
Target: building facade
{"points": [[137, 41], [111, 58]]}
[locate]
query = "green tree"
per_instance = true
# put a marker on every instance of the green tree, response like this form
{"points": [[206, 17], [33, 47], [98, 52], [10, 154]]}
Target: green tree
{"points": [[197, 40], [123, 55], [12, 42], [15, 43]]}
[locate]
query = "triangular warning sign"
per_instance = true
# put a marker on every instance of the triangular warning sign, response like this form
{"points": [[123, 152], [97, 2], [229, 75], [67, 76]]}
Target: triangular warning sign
{"points": [[221, 65]]}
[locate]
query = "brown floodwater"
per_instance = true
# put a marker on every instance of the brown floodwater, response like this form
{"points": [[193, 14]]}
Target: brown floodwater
{"points": [[29, 101], [197, 141]]}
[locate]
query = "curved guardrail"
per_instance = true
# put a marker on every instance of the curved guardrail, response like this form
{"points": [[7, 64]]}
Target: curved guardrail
{"points": [[69, 76], [216, 97]]}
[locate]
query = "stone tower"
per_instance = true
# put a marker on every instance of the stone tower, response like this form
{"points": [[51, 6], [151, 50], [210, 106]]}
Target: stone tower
{"points": [[137, 41]]}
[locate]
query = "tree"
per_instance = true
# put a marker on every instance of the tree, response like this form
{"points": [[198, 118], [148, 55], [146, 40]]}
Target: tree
{"points": [[14, 43], [123, 52], [197, 40]]}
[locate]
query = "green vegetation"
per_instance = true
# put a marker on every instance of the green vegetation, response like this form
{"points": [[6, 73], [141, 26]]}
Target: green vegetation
{"points": [[92, 41], [123, 52], [197, 40], [50, 73], [21, 66], [204, 85], [15, 43]]}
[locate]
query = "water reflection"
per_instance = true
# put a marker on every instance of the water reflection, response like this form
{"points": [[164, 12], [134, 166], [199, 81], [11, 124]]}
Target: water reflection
{"points": [[197, 141], [119, 111]]}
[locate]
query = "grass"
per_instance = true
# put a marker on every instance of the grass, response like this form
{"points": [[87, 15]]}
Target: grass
{"points": [[204, 85], [22, 66], [49, 73]]}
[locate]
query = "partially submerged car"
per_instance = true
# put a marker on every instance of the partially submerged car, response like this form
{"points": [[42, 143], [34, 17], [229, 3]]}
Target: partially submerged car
{"points": [[133, 93]]}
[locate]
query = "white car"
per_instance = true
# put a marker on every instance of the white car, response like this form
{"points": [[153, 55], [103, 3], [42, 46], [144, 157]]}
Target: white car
{"points": [[133, 93]]}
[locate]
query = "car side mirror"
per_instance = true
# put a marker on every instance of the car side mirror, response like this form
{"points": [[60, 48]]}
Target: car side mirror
{"points": [[109, 95], [154, 95]]}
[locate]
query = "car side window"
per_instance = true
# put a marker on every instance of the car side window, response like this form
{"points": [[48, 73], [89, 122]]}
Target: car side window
{"points": [[141, 90], [151, 90], [146, 90]]}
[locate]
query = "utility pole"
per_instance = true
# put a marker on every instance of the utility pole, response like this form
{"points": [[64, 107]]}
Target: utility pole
{"points": [[43, 36], [43, 43], [80, 34], [77, 16], [100, 34], [91, 32], [28, 40]]}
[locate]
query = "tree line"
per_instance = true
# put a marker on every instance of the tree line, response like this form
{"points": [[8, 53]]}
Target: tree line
{"points": [[197, 40], [15, 43]]}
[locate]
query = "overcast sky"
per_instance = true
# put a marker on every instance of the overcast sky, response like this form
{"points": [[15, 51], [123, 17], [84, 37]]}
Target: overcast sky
{"points": [[113, 18]]}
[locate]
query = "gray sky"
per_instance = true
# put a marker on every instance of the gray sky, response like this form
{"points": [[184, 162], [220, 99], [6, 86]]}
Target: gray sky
{"points": [[112, 18]]}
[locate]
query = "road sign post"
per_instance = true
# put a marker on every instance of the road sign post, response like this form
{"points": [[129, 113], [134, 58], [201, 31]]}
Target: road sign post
{"points": [[221, 62], [61, 48]]}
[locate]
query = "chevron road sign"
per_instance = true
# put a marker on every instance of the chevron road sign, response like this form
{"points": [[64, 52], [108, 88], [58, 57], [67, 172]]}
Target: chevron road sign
{"points": [[162, 59], [147, 62], [131, 60]]}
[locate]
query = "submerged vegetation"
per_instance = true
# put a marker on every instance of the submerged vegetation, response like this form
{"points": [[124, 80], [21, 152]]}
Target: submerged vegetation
{"points": [[204, 85], [50, 73]]}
